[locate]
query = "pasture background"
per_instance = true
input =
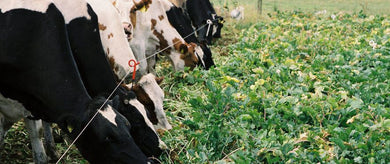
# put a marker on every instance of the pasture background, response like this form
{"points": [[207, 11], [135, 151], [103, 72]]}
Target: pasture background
{"points": [[232, 130], [368, 6]]}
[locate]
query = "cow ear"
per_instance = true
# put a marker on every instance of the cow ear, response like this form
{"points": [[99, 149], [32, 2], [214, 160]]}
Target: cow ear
{"points": [[159, 80], [183, 49], [115, 102], [67, 124], [143, 9], [135, 88]]}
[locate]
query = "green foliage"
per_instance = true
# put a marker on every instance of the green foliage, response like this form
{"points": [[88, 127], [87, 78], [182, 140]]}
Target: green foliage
{"points": [[299, 88]]}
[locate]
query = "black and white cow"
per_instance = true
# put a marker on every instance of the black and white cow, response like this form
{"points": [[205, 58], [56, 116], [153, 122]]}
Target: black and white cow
{"points": [[201, 13], [37, 39], [182, 23]]}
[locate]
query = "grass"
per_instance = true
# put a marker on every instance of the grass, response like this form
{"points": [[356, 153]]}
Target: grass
{"points": [[297, 88]]}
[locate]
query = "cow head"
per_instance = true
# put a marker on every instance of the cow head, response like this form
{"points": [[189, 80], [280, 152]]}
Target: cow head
{"points": [[142, 130], [150, 94], [218, 24], [107, 139], [183, 55], [213, 26], [203, 36], [205, 56], [123, 7]]}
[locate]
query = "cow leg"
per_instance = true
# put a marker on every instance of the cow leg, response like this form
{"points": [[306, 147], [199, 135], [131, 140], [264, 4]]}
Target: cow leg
{"points": [[2, 131], [139, 52], [49, 142], [34, 128], [152, 65]]}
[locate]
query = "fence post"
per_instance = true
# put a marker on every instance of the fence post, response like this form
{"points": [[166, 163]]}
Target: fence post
{"points": [[260, 6]]}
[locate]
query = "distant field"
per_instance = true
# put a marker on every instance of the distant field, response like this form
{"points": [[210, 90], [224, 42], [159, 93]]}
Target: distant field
{"points": [[370, 7]]}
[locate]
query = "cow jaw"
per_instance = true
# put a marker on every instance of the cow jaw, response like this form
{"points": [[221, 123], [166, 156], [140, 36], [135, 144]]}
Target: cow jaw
{"points": [[142, 110], [156, 95], [177, 62], [199, 52]]}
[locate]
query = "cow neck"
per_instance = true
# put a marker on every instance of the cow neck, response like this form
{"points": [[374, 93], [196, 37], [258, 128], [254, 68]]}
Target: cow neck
{"points": [[89, 55], [182, 23], [166, 35]]}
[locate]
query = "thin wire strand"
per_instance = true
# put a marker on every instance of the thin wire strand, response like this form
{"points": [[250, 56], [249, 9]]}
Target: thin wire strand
{"points": [[108, 98], [89, 122], [162, 50]]}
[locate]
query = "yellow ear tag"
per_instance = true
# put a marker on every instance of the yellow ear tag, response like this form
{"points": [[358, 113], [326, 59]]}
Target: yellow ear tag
{"points": [[70, 129], [143, 9], [182, 51]]}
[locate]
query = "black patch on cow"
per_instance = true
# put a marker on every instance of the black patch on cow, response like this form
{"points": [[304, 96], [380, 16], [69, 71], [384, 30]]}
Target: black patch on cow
{"points": [[89, 54], [34, 58], [207, 57]]}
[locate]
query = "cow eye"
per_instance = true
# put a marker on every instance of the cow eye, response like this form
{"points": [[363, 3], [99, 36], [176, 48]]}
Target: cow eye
{"points": [[110, 139]]}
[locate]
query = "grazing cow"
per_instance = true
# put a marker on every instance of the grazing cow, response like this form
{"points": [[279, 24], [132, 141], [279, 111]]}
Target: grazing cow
{"points": [[152, 32], [182, 24], [107, 15], [237, 13], [201, 12], [39, 51], [98, 78]]}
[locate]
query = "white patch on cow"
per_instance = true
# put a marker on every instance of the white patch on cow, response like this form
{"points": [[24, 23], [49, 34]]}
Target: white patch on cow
{"points": [[178, 3], [37, 5], [72, 9], [156, 94], [177, 62], [142, 110], [215, 25], [109, 114], [117, 46], [69, 9], [123, 7], [200, 53]]}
